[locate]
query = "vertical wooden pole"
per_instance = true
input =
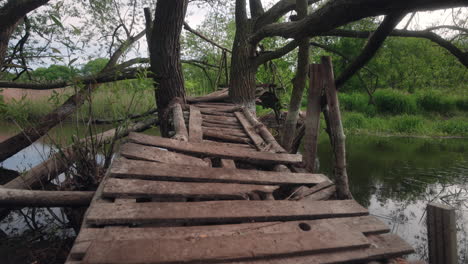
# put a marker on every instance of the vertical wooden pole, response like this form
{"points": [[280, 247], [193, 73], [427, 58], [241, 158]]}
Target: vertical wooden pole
{"points": [[312, 119], [441, 234], [337, 135]]}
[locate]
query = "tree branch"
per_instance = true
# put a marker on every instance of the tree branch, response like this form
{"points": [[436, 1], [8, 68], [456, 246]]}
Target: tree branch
{"points": [[256, 8], [271, 55], [277, 11], [375, 42], [200, 35], [337, 13]]}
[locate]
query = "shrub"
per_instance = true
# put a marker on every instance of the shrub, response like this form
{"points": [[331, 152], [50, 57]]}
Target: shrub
{"points": [[354, 121], [394, 102], [435, 102], [407, 123], [454, 127], [356, 102]]}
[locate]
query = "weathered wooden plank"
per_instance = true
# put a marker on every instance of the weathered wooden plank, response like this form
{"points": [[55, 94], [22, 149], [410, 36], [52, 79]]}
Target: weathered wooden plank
{"points": [[195, 122], [226, 131], [315, 240], [212, 134], [221, 212], [208, 124], [124, 168], [215, 112], [323, 194], [142, 188], [382, 247], [141, 152], [250, 130], [204, 149], [179, 123], [228, 164], [364, 224], [220, 118], [230, 145]]}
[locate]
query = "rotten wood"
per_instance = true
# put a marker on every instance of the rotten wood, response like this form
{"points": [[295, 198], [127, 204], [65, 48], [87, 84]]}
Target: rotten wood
{"points": [[216, 151], [135, 151], [123, 168]]}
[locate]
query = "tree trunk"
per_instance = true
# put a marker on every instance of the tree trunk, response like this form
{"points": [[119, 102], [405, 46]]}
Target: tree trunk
{"points": [[299, 83], [165, 56]]}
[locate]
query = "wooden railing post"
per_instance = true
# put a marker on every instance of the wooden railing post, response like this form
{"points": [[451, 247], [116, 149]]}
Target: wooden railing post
{"points": [[312, 119], [337, 136], [441, 234]]}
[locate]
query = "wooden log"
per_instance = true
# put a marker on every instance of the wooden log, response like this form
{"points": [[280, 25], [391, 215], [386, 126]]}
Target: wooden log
{"points": [[263, 131], [211, 134], [226, 131], [21, 198], [312, 120], [215, 151], [321, 195], [218, 96], [141, 152], [209, 111], [215, 123], [324, 238], [336, 131], [124, 168], [304, 191], [195, 123], [221, 212], [134, 188], [225, 119], [250, 130], [442, 234], [179, 123]]}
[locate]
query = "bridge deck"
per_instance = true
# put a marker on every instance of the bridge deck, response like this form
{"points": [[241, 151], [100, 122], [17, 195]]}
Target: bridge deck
{"points": [[229, 194]]}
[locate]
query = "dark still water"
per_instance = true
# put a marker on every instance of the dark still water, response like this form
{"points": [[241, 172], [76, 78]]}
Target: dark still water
{"points": [[397, 177], [394, 177]]}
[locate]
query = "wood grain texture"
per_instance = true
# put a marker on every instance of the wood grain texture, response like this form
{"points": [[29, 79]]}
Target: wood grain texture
{"points": [[250, 130], [220, 212], [203, 149], [124, 168], [136, 151], [195, 122]]}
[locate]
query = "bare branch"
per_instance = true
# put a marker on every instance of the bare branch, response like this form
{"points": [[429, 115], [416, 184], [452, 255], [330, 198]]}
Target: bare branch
{"points": [[271, 55], [200, 35], [256, 8], [278, 10], [447, 27]]}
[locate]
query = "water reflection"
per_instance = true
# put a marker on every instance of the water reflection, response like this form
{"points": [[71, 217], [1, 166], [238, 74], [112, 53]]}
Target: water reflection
{"points": [[396, 178]]}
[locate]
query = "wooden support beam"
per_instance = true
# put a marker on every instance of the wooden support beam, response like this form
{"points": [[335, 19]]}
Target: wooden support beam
{"points": [[312, 119], [442, 234], [250, 130], [195, 123], [22, 198], [263, 131], [179, 123]]}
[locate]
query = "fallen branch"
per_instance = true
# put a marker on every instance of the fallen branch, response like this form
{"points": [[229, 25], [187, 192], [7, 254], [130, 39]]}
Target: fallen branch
{"points": [[20, 198]]}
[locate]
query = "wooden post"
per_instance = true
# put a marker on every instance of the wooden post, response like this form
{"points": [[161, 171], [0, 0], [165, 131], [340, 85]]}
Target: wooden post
{"points": [[441, 234], [337, 135], [312, 119], [179, 123]]}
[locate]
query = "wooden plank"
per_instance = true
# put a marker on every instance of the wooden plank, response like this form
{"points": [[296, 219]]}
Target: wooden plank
{"points": [[204, 149], [141, 152], [145, 189], [364, 224], [215, 112], [220, 212], [385, 246], [304, 191], [220, 118], [212, 134], [230, 145], [250, 130], [207, 124], [316, 239], [195, 122], [226, 131], [179, 123], [321, 195], [228, 164], [442, 234], [124, 168]]}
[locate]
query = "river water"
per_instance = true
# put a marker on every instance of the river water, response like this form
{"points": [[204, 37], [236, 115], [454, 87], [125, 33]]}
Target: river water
{"points": [[394, 177]]}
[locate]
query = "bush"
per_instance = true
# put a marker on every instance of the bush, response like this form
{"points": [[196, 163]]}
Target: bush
{"points": [[435, 102], [454, 127], [394, 102], [407, 123], [356, 102], [354, 121]]}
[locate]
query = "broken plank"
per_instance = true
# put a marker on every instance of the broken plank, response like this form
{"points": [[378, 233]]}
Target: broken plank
{"points": [[141, 152], [114, 188], [216, 151], [195, 122], [364, 224], [220, 212], [250, 130], [321, 195], [123, 168], [230, 145], [318, 239]]}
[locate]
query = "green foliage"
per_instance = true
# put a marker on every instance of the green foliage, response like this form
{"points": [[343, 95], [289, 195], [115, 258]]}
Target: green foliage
{"points": [[54, 73], [407, 123], [354, 121], [94, 66], [394, 102], [456, 126], [432, 101], [462, 103]]}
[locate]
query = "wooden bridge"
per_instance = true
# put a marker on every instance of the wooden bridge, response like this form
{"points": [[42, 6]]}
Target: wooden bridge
{"points": [[223, 190]]}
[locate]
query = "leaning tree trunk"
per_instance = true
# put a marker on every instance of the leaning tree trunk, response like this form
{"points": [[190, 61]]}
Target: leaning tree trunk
{"points": [[165, 56]]}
